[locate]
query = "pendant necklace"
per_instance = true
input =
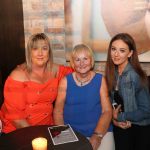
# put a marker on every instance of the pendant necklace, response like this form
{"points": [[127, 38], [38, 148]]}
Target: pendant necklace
{"points": [[83, 82]]}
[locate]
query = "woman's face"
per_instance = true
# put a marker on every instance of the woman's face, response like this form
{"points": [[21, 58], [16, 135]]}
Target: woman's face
{"points": [[40, 53], [120, 53], [82, 62], [128, 16]]}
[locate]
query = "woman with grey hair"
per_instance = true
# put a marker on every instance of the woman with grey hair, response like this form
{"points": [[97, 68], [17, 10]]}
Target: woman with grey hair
{"points": [[83, 101]]}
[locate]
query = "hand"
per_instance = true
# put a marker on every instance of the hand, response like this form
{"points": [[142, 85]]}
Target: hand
{"points": [[20, 123], [95, 141], [123, 125], [116, 112]]}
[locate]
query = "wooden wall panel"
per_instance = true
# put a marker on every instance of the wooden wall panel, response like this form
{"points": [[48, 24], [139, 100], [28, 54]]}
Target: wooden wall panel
{"points": [[11, 36]]}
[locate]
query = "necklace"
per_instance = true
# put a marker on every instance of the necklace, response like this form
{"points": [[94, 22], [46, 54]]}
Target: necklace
{"points": [[84, 81]]}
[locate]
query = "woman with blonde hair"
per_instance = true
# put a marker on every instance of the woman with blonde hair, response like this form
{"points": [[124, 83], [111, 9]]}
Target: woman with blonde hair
{"points": [[83, 101], [31, 88]]}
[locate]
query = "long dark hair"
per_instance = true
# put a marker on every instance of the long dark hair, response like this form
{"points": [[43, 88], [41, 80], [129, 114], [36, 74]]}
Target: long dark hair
{"points": [[134, 61]]}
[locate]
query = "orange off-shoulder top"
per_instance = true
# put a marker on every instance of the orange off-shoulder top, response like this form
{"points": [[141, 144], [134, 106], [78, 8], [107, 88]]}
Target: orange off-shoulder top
{"points": [[30, 100]]}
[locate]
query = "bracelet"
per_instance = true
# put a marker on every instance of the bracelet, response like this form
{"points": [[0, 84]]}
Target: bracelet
{"points": [[98, 134]]}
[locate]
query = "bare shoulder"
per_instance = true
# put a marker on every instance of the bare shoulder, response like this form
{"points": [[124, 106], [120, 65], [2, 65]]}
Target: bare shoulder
{"points": [[63, 84], [104, 88], [63, 81], [104, 81], [103, 78], [19, 73]]}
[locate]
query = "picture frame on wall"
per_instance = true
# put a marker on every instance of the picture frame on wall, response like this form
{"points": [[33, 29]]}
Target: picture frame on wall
{"points": [[95, 22]]}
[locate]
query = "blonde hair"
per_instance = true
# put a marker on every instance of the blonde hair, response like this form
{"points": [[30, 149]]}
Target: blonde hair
{"points": [[81, 48], [31, 42]]}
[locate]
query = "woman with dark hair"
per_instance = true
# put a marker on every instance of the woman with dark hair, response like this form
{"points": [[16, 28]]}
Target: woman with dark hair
{"points": [[128, 88], [31, 88]]}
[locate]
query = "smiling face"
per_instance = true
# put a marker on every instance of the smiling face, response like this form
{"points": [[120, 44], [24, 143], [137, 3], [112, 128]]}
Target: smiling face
{"points": [[82, 62], [120, 53], [40, 53]]}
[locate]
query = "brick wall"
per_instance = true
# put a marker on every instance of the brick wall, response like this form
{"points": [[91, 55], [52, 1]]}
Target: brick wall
{"points": [[46, 16]]}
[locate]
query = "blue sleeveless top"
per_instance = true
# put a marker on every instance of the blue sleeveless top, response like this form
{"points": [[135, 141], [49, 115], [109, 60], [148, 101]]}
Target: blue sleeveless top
{"points": [[82, 106]]}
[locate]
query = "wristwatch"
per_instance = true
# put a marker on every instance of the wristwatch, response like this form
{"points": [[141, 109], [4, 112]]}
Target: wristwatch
{"points": [[98, 134]]}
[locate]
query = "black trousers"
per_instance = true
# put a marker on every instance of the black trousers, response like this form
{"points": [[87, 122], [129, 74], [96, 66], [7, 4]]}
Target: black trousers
{"points": [[134, 138]]}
